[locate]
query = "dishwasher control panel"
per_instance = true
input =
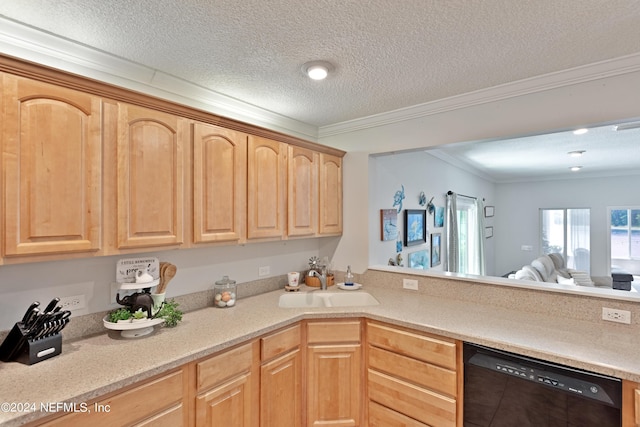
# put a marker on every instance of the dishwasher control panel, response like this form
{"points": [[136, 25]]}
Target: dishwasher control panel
{"points": [[575, 381]]}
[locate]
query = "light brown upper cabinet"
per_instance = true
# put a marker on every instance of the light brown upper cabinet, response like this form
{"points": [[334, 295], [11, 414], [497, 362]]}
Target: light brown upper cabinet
{"points": [[330, 195], [150, 177], [52, 168], [302, 194], [219, 184], [266, 188]]}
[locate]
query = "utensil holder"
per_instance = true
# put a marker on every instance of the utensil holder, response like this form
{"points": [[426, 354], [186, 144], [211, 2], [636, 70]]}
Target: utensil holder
{"points": [[18, 347]]}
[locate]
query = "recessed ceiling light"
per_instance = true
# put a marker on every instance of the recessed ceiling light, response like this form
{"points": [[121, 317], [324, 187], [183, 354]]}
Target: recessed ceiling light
{"points": [[577, 153], [317, 70], [575, 168], [580, 131]]}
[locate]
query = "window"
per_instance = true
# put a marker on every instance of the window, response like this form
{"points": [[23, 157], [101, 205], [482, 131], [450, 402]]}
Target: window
{"points": [[624, 243], [567, 231]]}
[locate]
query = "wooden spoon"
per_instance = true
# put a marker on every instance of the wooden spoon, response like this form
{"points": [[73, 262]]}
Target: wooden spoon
{"points": [[167, 274]]}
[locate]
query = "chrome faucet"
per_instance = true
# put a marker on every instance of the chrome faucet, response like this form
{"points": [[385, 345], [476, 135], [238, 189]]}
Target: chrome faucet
{"points": [[322, 277]]}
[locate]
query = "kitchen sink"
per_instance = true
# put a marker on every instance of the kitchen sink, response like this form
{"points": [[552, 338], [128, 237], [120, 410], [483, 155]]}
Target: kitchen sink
{"points": [[327, 299]]}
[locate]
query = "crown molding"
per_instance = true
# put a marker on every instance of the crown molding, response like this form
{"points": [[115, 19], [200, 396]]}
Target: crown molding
{"points": [[586, 73], [30, 44]]}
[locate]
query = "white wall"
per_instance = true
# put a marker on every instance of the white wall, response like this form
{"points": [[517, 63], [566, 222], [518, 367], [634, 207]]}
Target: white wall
{"points": [[198, 269], [418, 171], [517, 218]]}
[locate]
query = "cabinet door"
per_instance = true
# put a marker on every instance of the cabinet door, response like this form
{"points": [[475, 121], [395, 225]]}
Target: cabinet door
{"points": [[266, 188], [330, 195], [219, 184], [150, 192], [334, 385], [52, 167], [281, 391], [228, 405], [302, 194]]}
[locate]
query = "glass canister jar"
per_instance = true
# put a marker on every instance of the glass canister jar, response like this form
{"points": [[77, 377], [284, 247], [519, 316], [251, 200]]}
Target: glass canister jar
{"points": [[224, 293]]}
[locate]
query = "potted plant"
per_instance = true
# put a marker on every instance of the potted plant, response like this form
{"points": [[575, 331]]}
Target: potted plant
{"points": [[170, 313], [120, 315]]}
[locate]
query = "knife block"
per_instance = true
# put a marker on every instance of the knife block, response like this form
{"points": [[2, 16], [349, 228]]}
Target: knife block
{"points": [[41, 349], [17, 346]]}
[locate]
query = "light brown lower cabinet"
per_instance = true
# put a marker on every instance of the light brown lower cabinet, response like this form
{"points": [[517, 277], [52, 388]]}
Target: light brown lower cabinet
{"points": [[334, 373], [227, 389], [313, 373], [156, 402], [281, 379], [413, 377], [630, 404]]}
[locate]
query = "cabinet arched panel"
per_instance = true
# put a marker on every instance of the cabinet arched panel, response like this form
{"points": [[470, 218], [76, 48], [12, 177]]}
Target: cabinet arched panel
{"points": [[330, 195], [266, 187], [52, 161], [219, 184], [150, 178], [302, 218]]}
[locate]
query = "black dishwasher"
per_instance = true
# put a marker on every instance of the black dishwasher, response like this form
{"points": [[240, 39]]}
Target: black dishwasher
{"points": [[503, 389]]}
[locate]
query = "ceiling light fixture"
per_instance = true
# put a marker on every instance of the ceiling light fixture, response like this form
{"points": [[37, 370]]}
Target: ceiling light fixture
{"points": [[577, 153], [580, 131], [575, 168], [317, 70]]}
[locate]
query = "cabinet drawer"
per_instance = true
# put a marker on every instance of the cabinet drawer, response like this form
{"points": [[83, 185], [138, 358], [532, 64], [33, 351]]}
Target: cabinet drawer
{"points": [[171, 417], [424, 405], [223, 366], [383, 416], [134, 405], [415, 371], [333, 332], [439, 351], [280, 342]]}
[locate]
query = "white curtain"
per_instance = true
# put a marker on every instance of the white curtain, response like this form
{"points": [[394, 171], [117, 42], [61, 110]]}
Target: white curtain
{"points": [[451, 261], [466, 255]]}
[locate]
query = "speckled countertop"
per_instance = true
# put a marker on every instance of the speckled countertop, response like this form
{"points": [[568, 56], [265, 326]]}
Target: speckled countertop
{"points": [[97, 365]]}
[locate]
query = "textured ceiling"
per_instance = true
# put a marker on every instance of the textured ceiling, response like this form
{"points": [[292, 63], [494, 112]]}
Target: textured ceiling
{"points": [[387, 54]]}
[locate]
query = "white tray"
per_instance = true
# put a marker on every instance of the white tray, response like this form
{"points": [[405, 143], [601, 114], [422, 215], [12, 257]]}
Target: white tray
{"points": [[132, 329], [353, 287]]}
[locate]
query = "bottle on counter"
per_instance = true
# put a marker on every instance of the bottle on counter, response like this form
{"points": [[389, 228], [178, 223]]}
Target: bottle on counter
{"points": [[348, 278], [224, 292]]}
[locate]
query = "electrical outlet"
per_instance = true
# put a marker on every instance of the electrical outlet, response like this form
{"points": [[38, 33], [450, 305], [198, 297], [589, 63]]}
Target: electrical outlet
{"points": [[264, 271], [76, 302], [616, 315], [410, 284]]}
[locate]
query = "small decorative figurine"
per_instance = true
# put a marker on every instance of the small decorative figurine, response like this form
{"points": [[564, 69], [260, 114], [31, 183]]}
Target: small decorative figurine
{"points": [[422, 199], [398, 198]]}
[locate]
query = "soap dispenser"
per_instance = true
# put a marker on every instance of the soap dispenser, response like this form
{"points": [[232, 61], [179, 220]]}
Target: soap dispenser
{"points": [[348, 278]]}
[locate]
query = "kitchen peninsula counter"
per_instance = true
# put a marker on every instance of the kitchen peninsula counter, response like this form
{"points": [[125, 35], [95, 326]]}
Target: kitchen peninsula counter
{"points": [[97, 365]]}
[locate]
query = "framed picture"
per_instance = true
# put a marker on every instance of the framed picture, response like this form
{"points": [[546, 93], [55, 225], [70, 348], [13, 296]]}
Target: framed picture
{"points": [[388, 224], [488, 232], [488, 211], [438, 217], [415, 227], [435, 249], [419, 260]]}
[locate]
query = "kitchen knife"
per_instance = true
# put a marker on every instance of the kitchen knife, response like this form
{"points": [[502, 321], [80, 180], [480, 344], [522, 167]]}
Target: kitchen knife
{"points": [[31, 318], [52, 305], [28, 312]]}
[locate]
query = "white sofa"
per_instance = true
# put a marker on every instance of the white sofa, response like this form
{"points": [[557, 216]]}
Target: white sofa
{"points": [[552, 269]]}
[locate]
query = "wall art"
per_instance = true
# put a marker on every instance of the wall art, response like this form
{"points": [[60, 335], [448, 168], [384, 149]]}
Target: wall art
{"points": [[419, 260], [415, 227], [435, 249], [438, 218], [388, 224]]}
